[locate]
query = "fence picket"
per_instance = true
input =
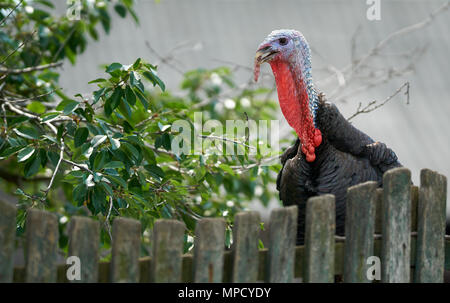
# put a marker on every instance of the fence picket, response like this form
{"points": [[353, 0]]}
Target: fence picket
{"points": [[126, 247], [245, 247], [281, 253], [396, 226], [42, 237], [7, 238], [208, 250], [430, 249], [359, 231], [319, 239], [84, 236], [168, 237], [414, 207]]}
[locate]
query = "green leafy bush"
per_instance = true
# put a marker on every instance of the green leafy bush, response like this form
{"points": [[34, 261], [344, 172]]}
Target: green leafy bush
{"points": [[109, 153]]}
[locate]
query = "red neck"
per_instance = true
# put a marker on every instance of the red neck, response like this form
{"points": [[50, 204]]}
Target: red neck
{"points": [[294, 103]]}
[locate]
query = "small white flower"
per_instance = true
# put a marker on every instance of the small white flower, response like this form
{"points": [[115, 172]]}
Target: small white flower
{"points": [[245, 102], [229, 103], [230, 203], [219, 107], [63, 220], [225, 213], [258, 190], [126, 67], [216, 79], [29, 9]]}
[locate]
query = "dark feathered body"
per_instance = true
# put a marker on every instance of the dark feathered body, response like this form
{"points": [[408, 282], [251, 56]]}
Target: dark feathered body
{"points": [[345, 158]]}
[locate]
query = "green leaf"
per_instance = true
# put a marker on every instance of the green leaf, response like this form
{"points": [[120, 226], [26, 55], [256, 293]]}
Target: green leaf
{"points": [[27, 132], [113, 67], [100, 160], [25, 154], [97, 140], [81, 135], [32, 166], [70, 107], [49, 116], [113, 101], [227, 168], [143, 100], [121, 10], [36, 107], [130, 96], [155, 171], [98, 198], [79, 193], [99, 93], [117, 180], [98, 80], [114, 164]]}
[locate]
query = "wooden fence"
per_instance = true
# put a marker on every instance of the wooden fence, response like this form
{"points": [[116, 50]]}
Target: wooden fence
{"points": [[401, 224]]}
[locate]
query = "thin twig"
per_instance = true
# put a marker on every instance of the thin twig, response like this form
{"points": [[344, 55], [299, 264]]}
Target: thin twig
{"points": [[17, 48], [61, 155], [16, 71], [65, 41], [28, 99], [23, 113], [4, 19], [108, 226], [370, 107]]}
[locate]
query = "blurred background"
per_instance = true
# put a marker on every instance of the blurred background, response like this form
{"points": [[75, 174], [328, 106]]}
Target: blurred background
{"points": [[410, 43]]}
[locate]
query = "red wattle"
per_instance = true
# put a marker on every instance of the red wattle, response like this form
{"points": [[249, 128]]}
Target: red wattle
{"points": [[317, 137], [294, 103]]}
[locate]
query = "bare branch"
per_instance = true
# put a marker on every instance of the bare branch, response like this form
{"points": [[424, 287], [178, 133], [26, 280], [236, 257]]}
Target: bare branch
{"points": [[61, 155], [16, 71], [80, 166], [371, 106], [28, 99], [31, 116]]}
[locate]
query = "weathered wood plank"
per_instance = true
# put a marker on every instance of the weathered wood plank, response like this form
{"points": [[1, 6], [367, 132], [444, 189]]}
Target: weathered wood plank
{"points": [[41, 246], [167, 250], [187, 268], [209, 247], [430, 253], [378, 212], [281, 253], [245, 246], [359, 231], [7, 239], [126, 247], [396, 226], [319, 239], [84, 237], [414, 207]]}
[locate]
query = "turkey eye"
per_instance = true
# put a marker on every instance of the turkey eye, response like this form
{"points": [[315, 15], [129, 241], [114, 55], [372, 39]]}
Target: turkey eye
{"points": [[283, 41]]}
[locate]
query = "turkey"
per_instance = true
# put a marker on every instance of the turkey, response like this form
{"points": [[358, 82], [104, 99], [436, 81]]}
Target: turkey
{"points": [[330, 154]]}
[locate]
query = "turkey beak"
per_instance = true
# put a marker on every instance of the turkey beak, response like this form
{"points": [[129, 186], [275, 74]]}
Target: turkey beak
{"points": [[264, 54]]}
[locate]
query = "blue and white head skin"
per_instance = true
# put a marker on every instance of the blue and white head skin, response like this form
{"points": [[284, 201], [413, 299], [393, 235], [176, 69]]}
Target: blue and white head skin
{"points": [[289, 55]]}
